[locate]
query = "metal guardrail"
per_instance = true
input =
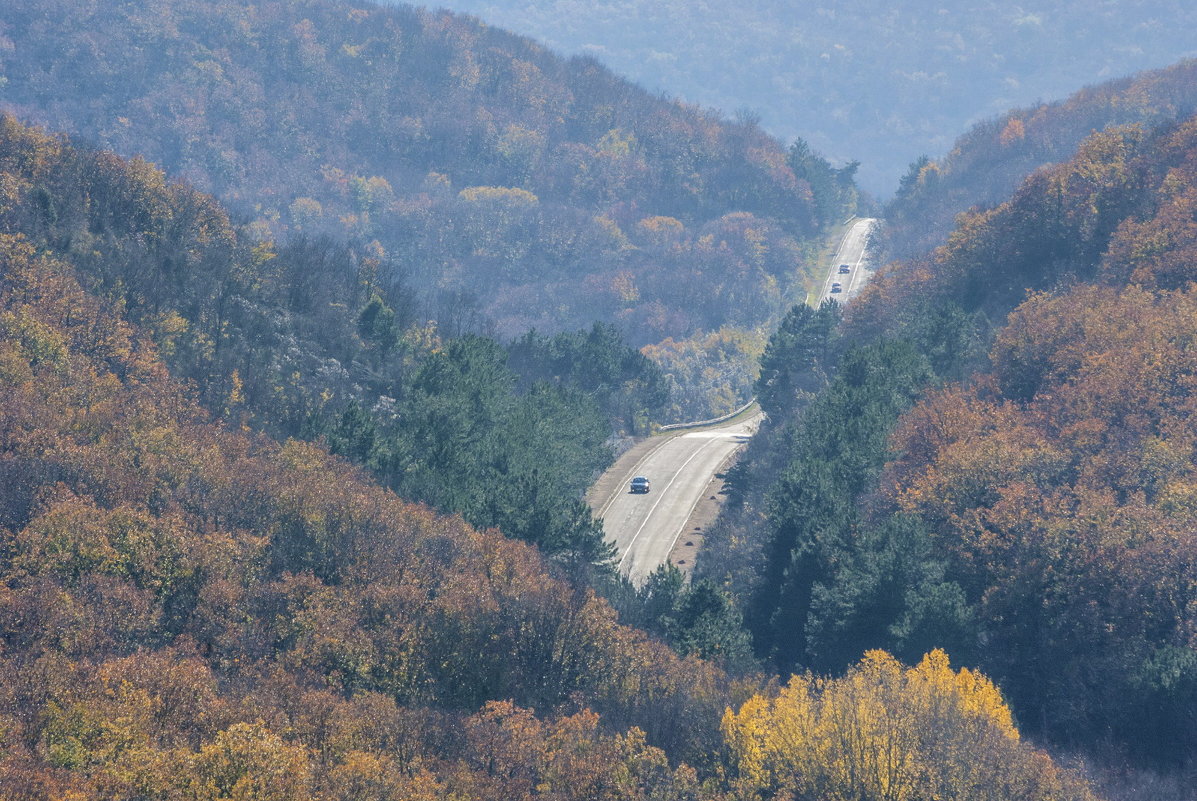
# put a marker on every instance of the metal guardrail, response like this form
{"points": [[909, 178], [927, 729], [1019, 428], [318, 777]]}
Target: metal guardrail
{"points": [[701, 423]]}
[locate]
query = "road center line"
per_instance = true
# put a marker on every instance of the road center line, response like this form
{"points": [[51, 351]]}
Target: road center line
{"points": [[661, 497], [633, 472]]}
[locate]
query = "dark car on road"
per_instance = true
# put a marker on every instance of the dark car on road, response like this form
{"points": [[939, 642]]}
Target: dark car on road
{"points": [[845, 269], [835, 287], [639, 484]]}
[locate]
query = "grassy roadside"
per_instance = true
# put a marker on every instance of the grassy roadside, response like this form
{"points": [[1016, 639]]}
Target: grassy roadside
{"points": [[816, 274]]}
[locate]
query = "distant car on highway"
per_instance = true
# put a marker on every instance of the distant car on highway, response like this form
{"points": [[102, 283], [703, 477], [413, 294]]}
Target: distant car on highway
{"points": [[639, 484], [845, 269], [835, 287]]}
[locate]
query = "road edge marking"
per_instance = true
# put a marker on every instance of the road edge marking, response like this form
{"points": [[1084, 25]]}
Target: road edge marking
{"points": [[660, 498]]}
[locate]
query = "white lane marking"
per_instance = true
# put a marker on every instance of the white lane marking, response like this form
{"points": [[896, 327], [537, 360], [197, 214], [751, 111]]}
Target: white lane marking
{"points": [[856, 271], [859, 230], [619, 488], [835, 267], [837, 259], [693, 506], [660, 498]]}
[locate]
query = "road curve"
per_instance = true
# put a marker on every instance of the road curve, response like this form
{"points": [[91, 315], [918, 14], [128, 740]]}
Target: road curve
{"points": [[853, 252], [645, 527]]}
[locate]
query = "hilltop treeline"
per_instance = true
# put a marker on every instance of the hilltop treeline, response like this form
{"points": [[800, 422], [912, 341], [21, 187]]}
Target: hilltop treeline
{"points": [[965, 465], [191, 610], [989, 161], [509, 188], [872, 80]]}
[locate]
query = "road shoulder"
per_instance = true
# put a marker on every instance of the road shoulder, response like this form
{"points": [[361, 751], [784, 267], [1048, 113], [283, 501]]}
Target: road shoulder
{"points": [[622, 471], [706, 512]]}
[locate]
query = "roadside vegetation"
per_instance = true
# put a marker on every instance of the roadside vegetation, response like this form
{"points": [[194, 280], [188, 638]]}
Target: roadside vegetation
{"points": [[190, 609], [990, 455]]}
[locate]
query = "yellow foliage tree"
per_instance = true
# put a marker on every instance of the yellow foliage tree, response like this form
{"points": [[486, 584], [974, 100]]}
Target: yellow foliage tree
{"points": [[885, 732], [1015, 131], [248, 762], [660, 231], [504, 196]]}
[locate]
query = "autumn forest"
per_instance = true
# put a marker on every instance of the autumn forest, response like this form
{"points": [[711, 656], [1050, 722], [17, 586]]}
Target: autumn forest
{"points": [[318, 319]]}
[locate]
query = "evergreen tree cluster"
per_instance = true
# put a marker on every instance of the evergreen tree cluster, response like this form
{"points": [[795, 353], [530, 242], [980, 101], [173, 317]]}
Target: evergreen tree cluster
{"points": [[991, 454]]}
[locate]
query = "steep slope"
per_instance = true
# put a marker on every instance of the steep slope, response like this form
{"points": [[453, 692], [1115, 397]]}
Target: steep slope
{"points": [[178, 598], [189, 610], [872, 80], [304, 341], [510, 188], [997, 474], [987, 163]]}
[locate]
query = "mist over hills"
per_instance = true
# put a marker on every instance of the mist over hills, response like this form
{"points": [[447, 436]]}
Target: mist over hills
{"points": [[874, 81], [217, 412], [990, 160], [502, 187], [507, 183]]}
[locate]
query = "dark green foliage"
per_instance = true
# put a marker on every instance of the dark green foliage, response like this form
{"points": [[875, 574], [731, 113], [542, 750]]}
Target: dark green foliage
{"points": [[1163, 697], [354, 435], [887, 589], [839, 446], [909, 183], [460, 438], [659, 596], [833, 188], [599, 364], [376, 325], [706, 623], [953, 340], [697, 618], [798, 359]]}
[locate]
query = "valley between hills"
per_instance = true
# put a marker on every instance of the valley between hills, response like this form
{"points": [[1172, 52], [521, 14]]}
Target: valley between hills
{"points": [[332, 335]]}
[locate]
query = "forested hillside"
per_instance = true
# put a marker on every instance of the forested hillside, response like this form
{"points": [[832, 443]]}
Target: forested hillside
{"points": [[507, 188], [297, 408], [1007, 476], [192, 610], [304, 340], [200, 613], [876, 81], [990, 160]]}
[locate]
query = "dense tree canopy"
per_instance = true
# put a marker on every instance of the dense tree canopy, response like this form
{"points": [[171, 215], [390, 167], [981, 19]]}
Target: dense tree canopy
{"points": [[873, 81], [186, 604], [989, 161], [506, 188], [1001, 474], [192, 610]]}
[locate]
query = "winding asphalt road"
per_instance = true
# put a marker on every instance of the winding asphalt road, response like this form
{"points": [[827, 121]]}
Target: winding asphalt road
{"points": [[645, 527]]}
